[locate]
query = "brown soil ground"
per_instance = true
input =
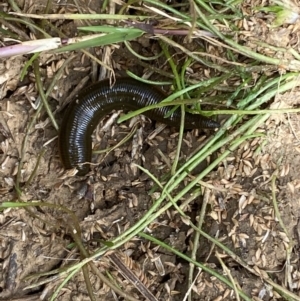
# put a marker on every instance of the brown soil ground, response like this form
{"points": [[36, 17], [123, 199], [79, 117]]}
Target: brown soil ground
{"points": [[116, 194]]}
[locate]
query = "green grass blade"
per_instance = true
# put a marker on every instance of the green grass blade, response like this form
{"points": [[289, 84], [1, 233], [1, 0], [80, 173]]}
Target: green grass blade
{"points": [[108, 39], [109, 29]]}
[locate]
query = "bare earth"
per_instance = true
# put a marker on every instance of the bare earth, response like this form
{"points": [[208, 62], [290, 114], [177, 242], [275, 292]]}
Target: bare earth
{"points": [[115, 195]]}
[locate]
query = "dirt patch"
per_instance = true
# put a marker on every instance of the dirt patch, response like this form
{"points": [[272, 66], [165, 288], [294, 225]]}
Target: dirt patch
{"points": [[115, 194]]}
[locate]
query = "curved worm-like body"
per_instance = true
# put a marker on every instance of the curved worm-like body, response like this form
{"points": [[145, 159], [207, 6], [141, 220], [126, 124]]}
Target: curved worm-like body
{"points": [[98, 100]]}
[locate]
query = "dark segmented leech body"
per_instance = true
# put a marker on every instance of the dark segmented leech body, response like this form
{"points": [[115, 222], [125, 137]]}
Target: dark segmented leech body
{"points": [[96, 101]]}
